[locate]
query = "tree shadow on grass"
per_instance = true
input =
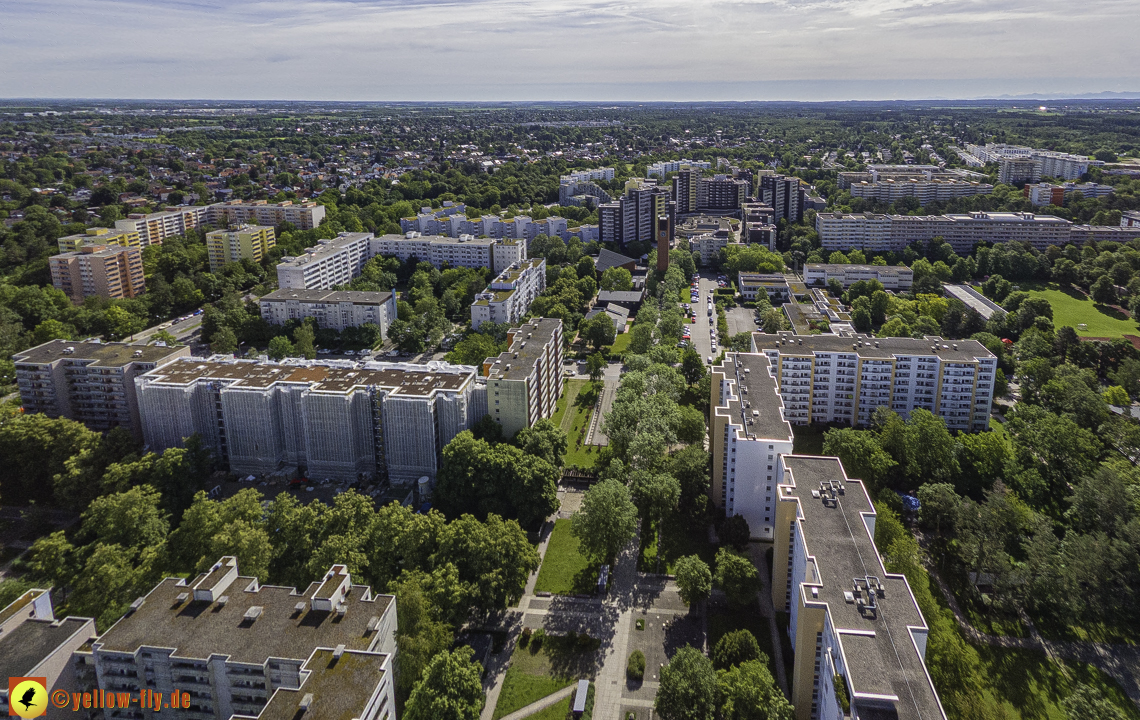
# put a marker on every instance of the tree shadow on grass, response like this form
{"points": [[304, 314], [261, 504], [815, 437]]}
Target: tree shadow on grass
{"points": [[1010, 673], [1111, 312]]}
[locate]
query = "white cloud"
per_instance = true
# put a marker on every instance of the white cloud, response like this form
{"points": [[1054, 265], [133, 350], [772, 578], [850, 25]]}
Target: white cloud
{"points": [[551, 49]]}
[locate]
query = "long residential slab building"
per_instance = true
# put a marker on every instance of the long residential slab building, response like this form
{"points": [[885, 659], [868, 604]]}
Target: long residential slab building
{"points": [[334, 418], [892, 233], [507, 298], [153, 228], [525, 382], [844, 379], [334, 309], [232, 647], [338, 260]]}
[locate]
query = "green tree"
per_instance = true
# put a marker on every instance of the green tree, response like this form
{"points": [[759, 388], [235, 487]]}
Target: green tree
{"points": [[861, 454], [606, 521], [224, 341], [1103, 291], [451, 689], [280, 347], [493, 557], [1116, 395], [736, 647], [477, 476], [596, 364], [474, 349], [688, 687], [748, 692], [692, 366], [640, 338], [420, 634], [304, 341], [598, 331], [36, 449], [694, 579], [939, 506], [735, 533], [616, 278], [738, 578], [543, 440]]}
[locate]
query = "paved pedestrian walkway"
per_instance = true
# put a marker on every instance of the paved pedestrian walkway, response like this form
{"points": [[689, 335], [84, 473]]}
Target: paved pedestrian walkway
{"points": [[537, 705], [757, 551]]}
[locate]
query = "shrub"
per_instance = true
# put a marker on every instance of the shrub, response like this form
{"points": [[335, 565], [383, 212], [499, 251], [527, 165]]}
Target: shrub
{"points": [[536, 639], [734, 648], [635, 668], [524, 638]]}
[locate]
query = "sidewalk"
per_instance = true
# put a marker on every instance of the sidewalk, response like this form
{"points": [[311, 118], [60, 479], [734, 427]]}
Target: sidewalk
{"points": [[551, 699]]}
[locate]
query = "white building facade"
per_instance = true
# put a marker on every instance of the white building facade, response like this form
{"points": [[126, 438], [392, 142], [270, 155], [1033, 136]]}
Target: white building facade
{"points": [[509, 295]]}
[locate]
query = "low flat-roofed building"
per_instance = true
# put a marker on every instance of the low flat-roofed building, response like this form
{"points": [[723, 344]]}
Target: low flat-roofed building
{"points": [[335, 309], [747, 433], [33, 643], [238, 647], [617, 314], [525, 382], [629, 299], [892, 277], [88, 381], [774, 286], [330, 418], [848, 617]]}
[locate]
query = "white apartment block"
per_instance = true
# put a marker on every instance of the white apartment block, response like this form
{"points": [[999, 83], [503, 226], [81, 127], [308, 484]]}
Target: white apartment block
{"points": [[748, 433], [525, 382], [1049, 194], [237, 648], [892, 277], [331, 419], [606, 173], [153, 228], [88, 381], [660, 169], [335, 309], [509, 295], [849, 619], [464, 251], [709, 245], [844, 379], [1044, 163], [330, 263], [926, 191], [880, 233], [1130, 218], [456, 224]]}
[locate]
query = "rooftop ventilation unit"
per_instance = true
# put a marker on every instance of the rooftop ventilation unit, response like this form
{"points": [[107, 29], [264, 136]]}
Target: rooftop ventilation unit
{"points": [[223, 600], [181, 598], [252, 613], [299, 608], [306, 702], [373, 623], [338, 651]]}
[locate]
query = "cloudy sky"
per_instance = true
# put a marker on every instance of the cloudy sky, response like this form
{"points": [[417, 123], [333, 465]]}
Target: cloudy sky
{"points": [[566, 49]]}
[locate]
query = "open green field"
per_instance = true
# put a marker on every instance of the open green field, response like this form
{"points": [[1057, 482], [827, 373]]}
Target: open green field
{"points": [[565, 571], [572, 414], [1071, 308], [544, 668], [621, 343]]}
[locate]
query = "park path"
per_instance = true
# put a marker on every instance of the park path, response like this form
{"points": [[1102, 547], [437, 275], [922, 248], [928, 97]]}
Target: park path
{"points": [[768, 610], [610, 679], [1120, 662], [542, 704]]}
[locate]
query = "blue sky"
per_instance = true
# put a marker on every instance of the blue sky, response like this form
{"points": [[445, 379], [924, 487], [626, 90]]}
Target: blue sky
{"points": [[567, 49]]}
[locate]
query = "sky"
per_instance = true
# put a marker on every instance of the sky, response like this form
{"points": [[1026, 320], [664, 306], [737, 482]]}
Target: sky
{"points": [[590, 50]]}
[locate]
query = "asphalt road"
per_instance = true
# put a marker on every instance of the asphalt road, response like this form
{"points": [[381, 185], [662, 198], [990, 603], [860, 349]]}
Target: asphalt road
{"points": [[180, 329], [700, 332]]}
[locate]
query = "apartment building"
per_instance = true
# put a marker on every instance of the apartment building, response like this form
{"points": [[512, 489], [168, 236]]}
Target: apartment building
{"points": [[633, 217], [330, 263], [1019, 170], [663, 168], [463, 251], [241, 242], [710, 244], [303, 215], [99, 236], [112, 272], [509, 295], [239, 648], [1027, 164], [747, 435], [785, 195], [926, 191], [525, 382], [330, 419], [962, 231], [892, 277], [844, 379], [88, 381], [579, 188], [334, 309], [1049, 194], [1130, 219], [721, 193], [33, 643], [153, 228], [684, 189], [851, 622]]}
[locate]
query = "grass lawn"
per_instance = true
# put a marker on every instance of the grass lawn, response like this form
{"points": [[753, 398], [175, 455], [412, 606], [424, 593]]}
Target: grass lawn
{"points": [[621, 343], [564, 570], [561, 709], [536, 673], [725, 621], [677, 541], [572, 413], [1031, 687], [1072, 308]]}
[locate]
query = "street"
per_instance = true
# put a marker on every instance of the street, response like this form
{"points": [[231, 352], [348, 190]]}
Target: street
{"points": [[701, 338]]}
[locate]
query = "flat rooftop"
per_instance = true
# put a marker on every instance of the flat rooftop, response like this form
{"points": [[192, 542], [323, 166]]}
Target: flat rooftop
{"points": [[30, 642], [445, 240], [871, 347], [103, 354], [758, 397], [325, 248], [880, 654], [403, 379], [528, 346], [198, 629], [341, 687], [357, 297]]}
